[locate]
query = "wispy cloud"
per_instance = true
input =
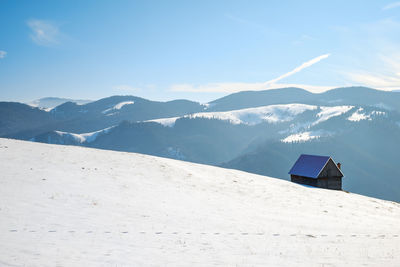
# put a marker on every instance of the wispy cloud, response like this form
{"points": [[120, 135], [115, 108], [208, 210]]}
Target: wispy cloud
{"points": [[3, 54], [377, 81], [230, 87], [380, 41], [391, 6], [224, 87], [44, 33], [387, 78]]}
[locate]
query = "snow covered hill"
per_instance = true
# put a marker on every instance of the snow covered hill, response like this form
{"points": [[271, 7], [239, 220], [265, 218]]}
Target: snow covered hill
{"points": [[249, 116], [47, 103], [274, 114], [299, 130], [340, 96], [74, 206], [65, 138]]}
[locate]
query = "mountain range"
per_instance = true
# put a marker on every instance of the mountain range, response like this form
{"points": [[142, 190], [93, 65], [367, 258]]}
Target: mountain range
{"points": [[261, 132], [52, 102]]}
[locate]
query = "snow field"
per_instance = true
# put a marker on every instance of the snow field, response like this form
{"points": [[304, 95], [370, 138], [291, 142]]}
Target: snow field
{"points": [[118, 106], [74, 206]]}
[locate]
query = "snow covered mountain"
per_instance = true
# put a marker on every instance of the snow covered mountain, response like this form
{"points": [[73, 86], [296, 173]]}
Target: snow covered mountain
{"points": [[248, 116], [272, 115], [354, 96], [48, 103], [107, 112], [17, 117], [74, 206], [291, 123], [65, 138], [22, 121]]}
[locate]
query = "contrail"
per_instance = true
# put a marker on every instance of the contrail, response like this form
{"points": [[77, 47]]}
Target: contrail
{"points": [[299, 68]]}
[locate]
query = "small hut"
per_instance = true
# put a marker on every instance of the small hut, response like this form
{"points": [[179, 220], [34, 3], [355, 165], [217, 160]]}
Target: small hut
{"points": [[318, 171]]}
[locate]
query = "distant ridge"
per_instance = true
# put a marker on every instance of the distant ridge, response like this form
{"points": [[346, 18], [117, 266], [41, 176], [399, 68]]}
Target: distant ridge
{"points": [[51, 102], [343, 96]]}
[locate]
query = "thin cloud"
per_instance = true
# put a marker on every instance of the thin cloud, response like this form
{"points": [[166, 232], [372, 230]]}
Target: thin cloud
{"points": [[378, 81], [237, 87], [231, 87], [299, 68], [225, 87], [3, 54], [379, 40], [388, 78], [391, 6], [43, 32]]}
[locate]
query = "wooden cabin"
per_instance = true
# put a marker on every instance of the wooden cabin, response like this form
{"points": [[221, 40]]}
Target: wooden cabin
{"points": [[318, 171]]}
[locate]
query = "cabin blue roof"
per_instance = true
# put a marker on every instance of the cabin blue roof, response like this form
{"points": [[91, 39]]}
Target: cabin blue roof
{"points": [[309, 165]]}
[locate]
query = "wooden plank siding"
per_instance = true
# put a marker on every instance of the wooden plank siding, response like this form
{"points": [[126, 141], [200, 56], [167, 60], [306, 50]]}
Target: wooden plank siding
{"points": [[330, 170], [323, 182]]}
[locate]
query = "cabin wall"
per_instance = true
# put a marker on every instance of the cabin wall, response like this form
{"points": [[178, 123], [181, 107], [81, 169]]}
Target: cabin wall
{"points": [[330, 170], [304, 180], [330, 183], [323, 182]]}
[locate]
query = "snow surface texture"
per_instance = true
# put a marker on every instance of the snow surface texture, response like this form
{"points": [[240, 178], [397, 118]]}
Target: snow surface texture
{"points": [[75, 206], [48, 103], [249, 116], [358, 115], [305, 136], [252, 116], [272, 114], [84, 137], [329, 112], [118, 106], [325, 114], [169, 122]]}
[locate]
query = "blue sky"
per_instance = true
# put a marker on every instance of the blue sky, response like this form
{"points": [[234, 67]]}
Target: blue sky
{"points": [[198, 50]]}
